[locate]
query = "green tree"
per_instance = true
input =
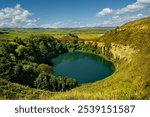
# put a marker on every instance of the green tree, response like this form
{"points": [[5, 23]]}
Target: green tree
{"points": [[42, 81], [44, 68], [21, 50], [61, 84], [43, 48], [12, 57], [53, 83], [71, 83]]}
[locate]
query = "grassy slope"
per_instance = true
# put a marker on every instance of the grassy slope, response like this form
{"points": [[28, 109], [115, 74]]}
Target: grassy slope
{"points": [[16, 91], [57, 33], [130, 81]]}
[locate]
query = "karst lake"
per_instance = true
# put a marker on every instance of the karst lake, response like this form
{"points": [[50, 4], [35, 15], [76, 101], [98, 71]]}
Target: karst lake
{"points": [[84, 67]]}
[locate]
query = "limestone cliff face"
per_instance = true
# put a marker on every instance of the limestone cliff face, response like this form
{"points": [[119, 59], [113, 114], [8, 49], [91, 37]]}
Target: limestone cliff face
{"points": [[122, 52], [115, 51]]}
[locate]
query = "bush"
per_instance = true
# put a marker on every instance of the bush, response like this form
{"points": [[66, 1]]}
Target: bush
{"points": [[42, 81], [71, 83], [44, 68], [21, 50]]}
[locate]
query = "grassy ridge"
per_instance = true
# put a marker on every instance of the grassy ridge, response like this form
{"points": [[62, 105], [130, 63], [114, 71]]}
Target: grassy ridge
{"points": [[57, 33], [130, 81]]}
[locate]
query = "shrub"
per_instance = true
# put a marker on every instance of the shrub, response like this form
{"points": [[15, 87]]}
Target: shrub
{"points": [[42, 81], [44, 68]]}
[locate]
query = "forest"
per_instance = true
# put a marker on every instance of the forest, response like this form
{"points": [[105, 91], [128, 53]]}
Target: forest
{"points": [[28, 61], [26, 68]]}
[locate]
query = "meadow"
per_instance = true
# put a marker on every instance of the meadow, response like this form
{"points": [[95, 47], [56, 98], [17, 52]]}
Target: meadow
{"points": [[83, 33], [126, 46]]}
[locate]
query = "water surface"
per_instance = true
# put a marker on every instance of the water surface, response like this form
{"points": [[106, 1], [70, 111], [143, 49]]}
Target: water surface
{"points": [[84, 67]]}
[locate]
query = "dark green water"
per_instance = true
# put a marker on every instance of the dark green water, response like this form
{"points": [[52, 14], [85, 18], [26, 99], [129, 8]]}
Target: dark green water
{"points": [[84, 67]]}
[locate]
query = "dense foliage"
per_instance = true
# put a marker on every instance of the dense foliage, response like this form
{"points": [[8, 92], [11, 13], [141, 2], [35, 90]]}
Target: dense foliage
{"points": [[130, 81], [28, 62]]}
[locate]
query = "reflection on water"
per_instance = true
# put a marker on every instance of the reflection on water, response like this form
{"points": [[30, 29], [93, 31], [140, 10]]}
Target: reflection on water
{"points": [[84, 67]]}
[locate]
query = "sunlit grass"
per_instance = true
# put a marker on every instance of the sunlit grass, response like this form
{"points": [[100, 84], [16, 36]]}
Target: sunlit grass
{"points": [[89, 36], [130, 81]]}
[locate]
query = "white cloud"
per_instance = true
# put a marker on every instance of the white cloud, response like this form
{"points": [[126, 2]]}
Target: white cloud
{"points": [[137, 6], [17, 6], [143, 1], [66, 24], [140, 15], [55, 25], [131, 8], [138, 9], [119, 20], [15, 17], [104, 12]]}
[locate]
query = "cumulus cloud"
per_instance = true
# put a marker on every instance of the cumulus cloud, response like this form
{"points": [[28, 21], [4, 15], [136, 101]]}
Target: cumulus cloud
{"points": [[119, 20], [137, 6], [15, 17], [134, 11], [143, 1], [104, 12], [131, 8]]}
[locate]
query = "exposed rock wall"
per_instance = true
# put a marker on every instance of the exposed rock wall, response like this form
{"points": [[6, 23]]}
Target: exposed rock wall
{"points": [[115, 51]]}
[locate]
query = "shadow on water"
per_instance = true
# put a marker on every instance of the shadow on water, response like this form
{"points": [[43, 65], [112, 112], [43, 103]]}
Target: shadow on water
{"points": [[84, 67]]}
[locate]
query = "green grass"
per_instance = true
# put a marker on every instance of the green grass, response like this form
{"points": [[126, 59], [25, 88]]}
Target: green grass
{"points": [[24, 33], [16, 91], [130, 81]]}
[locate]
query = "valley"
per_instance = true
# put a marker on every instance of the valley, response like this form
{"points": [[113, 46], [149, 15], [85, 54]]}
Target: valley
{"points": [[126, 46]]}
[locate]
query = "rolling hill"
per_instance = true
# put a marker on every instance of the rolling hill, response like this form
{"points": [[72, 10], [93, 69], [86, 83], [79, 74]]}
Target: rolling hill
{"points": [[128, 47]]}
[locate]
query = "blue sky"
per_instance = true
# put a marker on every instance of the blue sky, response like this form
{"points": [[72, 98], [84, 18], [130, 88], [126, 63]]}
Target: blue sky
{"points": [[71, 13]]}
